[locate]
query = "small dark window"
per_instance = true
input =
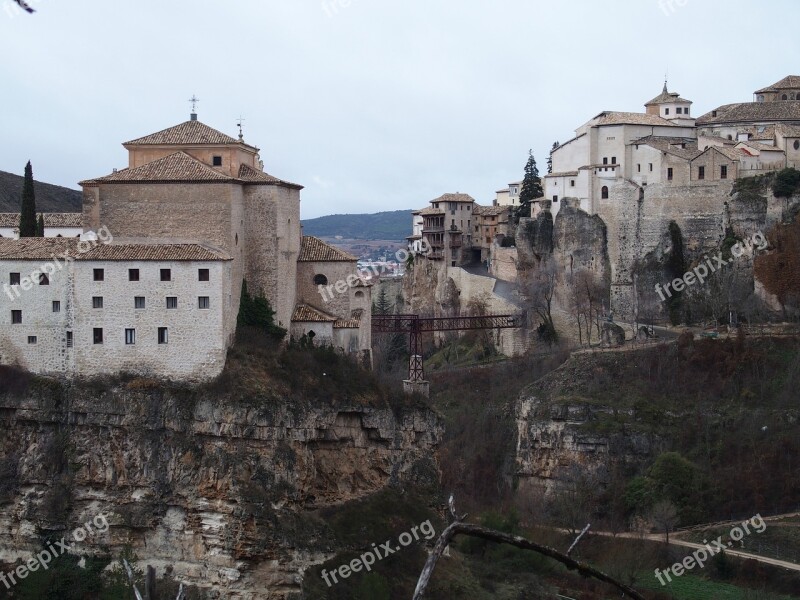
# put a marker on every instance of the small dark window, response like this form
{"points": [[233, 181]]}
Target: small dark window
{"points": [[69, 339], [605, 160], [138, 302], [613, 160], [651, 167], [99, 275], [701, 172], [97, 302], [13, 279], [666, 111], [217, 161], [166, 274], [172, 302], [679, 110], [604, 192], [713, 113], [320, 279], [130, 337], [555, 198], [686, 110], [669, 173], [571, 183], [133, 274], [638, 168], [44, 279], [202, 275], [784, 97], [16, 317], [359, 294], [203, 302], [796, 145], [56, 306], [163, 335], [97, 335], [31, 339], [723, 172]]}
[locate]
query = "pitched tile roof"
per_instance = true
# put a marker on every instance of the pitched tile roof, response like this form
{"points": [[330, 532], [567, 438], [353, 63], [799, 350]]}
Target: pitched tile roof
{"points": [[50, 219], [354, 322], [563, 174], [759, 146], [665, 97], [610, 117], [430, 211], [669, 145], [47, 248], [789, 82], [785, 130], [177, 167], [489, 211], [313, 249], [309, 314], [187, 133], [744, 112], [248, 174], [454, 198]]}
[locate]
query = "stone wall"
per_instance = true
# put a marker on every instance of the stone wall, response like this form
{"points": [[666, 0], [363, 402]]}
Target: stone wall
{"points": [[504, 263]]}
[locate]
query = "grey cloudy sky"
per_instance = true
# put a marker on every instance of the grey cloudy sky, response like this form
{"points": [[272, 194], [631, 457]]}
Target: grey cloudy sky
{"points": [[372, 105]]}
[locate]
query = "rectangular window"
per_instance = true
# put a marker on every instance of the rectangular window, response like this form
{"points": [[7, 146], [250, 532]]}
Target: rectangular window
{"points": [[666, 111], [97, 335], [571, 183], [605, 160], [217, 161], [613, 160], [13, 279], [203, 302], [16, 317], [166, 275], [651, 167], [202, 274], [555, 198], [56, 306], [701, 172], [679, 110], [163, 335], [99, 275], [31, 339], [172, 302], [97, 302], [44, 279], [669, 173], [133, 274], [69, 339], [723, 172], [138, 302], [130, 337], [638, 168]]}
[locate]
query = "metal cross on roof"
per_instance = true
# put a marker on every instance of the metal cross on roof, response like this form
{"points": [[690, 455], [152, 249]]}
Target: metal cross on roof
{"points": [[194, 100], [239, 123]]}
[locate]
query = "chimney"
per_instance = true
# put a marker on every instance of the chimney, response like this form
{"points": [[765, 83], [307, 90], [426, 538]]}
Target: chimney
{"points": [[193, 116]]}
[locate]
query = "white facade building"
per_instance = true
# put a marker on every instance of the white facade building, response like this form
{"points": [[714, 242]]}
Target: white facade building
{"points": [[68, 225]]}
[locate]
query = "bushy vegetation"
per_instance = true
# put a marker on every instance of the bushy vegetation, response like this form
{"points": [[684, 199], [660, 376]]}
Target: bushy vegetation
{"points": [[786, 183]]}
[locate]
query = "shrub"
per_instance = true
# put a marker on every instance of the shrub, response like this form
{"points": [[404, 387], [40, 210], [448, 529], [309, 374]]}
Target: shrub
{"points": [[787, 182]]}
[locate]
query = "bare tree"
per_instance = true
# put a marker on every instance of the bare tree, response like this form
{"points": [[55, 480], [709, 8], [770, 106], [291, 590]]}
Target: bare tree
{"points": [[539, 286], [664, 516]]}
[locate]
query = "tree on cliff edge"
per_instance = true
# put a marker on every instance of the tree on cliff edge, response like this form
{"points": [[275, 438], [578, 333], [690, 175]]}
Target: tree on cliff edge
{"points": [[550, 158], [531, 186], [27, 215]]}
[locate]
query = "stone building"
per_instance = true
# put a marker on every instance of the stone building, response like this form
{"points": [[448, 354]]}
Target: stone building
{"points": [[55, 225], [192, 216]]}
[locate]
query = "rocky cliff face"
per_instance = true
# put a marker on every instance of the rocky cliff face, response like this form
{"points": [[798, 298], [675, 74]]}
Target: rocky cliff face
{"points": [[218, 489]]}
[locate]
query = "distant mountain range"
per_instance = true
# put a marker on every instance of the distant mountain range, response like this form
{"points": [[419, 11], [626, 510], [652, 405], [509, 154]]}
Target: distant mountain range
{"points": [[393, 225], [49, 198]]}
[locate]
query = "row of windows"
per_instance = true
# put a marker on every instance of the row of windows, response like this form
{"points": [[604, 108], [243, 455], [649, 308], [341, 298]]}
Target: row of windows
{"points": [[100, 275], [203, 303], [701, 172], [130, 336], [678, 110]]}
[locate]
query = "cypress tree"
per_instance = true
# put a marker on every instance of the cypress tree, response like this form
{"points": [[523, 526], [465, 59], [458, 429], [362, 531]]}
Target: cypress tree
{"points": [[531, 186], [40, 226], [27, 215]]}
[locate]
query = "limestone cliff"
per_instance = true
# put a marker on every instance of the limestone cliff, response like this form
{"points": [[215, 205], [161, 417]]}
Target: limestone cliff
{"points": [[218, 487]]}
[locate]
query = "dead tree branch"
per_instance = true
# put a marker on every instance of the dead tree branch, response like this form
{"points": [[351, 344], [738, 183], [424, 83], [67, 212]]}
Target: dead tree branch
{"points": [[578, 539]]}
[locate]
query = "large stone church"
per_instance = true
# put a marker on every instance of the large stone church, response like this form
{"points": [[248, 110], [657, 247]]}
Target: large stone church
{"points": [[153, 286]]}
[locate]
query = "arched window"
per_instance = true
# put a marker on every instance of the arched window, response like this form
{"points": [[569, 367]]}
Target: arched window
{"points": [[359, 294], [604, 192], [796, 145], [320, 279], [784, 97]]}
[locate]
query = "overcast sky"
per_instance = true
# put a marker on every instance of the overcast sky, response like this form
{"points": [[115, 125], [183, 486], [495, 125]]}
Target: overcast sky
{"points": [[371, 105]]}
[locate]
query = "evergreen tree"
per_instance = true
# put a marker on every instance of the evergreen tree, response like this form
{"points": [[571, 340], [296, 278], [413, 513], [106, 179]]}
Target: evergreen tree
{"points": [[531, 186], [255, 311], [40, 226], [27, 215], [550, 158], [382, 306]]}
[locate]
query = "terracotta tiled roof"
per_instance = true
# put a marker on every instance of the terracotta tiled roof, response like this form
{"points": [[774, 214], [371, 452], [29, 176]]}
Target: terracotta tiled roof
{"points": [[744, 112], [789, 82], [177, 167], [563, 174], [629, 118], [354, 322], [489, 211], [248, 174], [430, 211], [309, 314], [671, 145], [791, 131], [47, 248], [454, 198], [50, 219], [188, 133], [731, 153], [666, 97], [759, 146], [313, 249]]}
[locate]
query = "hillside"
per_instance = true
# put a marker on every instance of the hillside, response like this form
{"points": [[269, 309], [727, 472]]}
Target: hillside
{"points": [[392, 225], [49, 198]]}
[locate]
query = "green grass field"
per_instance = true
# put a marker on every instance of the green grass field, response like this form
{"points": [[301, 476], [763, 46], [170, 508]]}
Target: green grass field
{"points": [[691, 587]]}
